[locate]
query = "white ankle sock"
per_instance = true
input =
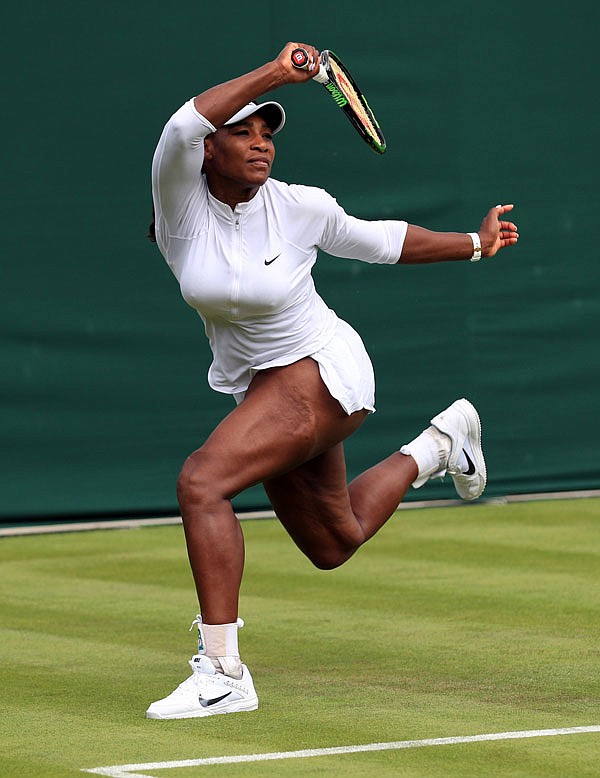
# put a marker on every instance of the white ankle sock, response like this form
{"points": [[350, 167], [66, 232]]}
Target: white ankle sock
{"points": [[430, 450]]}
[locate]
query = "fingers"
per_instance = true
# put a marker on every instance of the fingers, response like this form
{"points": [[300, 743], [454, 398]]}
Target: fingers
{"points": [[506, 229], [313, 56], [295, 73], [497, 233], [508, 234]]}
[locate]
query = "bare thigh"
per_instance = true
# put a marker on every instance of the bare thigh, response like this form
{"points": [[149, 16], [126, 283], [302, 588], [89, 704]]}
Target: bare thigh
{"points": [[287, 418]]}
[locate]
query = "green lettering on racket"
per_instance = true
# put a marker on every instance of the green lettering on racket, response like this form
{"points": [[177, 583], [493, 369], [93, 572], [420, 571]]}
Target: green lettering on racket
{"points": [[336, 94]]}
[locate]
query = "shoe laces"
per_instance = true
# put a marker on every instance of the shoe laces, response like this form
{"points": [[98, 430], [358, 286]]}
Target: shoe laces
{"points": [[196, 621], [444, 446], [199, 666]]}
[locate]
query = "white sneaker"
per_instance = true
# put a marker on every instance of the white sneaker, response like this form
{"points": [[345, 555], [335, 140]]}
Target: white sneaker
{"points": [[206, 693], [462, 425]]}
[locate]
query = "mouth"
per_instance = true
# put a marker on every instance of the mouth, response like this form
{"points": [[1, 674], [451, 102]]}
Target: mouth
{"points": [[262, 163]]}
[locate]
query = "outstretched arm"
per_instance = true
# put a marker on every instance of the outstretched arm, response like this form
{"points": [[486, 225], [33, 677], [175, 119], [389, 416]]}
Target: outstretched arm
{"points": [[422, 246], [221, 102]]}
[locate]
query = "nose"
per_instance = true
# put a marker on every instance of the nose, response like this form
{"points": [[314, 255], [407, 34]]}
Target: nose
{"points": [[259, 143]]}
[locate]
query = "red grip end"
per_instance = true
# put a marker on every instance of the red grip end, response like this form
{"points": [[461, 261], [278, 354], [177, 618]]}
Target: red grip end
{"points": [[299, 58]]}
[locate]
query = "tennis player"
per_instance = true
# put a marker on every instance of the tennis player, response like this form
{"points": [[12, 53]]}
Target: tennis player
{"points": [[242, 246]]}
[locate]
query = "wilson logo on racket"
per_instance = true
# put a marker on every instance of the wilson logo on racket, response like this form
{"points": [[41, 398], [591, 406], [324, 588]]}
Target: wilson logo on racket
{"points": [[336, 94]]}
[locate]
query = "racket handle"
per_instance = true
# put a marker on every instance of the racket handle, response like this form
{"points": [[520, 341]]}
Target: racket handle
{"points": [[300, 60]]}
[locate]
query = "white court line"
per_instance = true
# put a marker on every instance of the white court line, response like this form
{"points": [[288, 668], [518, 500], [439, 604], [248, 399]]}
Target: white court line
{"points": [[128, 770], [51, 527]]}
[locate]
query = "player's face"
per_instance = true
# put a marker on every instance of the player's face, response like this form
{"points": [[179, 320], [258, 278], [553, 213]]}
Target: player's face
{"points": [[240, 156]]}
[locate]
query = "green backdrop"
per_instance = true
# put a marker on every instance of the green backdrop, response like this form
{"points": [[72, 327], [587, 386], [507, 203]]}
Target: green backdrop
{"points": [[103, 378]]}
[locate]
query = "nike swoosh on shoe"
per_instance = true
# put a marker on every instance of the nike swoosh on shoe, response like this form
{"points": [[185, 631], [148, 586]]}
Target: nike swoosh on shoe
{"points": [[213, 701], [471, 470]]}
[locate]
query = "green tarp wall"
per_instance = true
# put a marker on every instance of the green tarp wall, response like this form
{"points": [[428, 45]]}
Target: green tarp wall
{"points": [[102, 380]]}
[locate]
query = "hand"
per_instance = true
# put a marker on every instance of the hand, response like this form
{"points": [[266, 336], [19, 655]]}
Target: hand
{"points": [[293, 75], [496, 234]]}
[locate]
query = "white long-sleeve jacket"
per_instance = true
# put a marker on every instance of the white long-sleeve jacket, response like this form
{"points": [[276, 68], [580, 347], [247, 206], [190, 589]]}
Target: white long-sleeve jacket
{"points": [[247, 271]]}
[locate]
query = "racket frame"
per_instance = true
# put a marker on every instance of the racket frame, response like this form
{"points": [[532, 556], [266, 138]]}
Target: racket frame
{"points": [[327, 78]]}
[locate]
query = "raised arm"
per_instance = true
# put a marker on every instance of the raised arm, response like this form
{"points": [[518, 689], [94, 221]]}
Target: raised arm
{"points": [[422, 246], [221, 102], [179, 156]]}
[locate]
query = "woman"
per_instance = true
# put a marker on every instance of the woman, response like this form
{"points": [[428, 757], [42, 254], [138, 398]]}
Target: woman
{"points": [[242, 246]]}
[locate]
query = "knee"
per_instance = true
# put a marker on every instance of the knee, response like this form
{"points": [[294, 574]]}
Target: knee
{"points": [[329, 559], [335, 553], [197, 485]]}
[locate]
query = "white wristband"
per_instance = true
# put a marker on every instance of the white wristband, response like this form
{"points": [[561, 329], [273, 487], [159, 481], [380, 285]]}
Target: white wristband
{"points": [[476, 246]]}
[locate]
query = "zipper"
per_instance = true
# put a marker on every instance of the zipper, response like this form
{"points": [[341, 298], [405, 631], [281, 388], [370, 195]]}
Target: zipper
{"points": [[235, 286]]}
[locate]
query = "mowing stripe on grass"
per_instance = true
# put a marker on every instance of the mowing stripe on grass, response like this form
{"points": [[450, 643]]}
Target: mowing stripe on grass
{"points": [[128, 770]]}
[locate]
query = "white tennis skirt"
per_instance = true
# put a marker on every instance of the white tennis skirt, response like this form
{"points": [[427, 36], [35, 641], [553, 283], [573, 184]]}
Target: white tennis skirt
{"points": [[346, 370]]}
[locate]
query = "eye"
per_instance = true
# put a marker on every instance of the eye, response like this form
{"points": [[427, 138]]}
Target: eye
{"points": [[241, 131]]}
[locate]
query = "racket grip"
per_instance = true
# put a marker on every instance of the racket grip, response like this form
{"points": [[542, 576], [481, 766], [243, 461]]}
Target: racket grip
{"points": [[300, 60]]}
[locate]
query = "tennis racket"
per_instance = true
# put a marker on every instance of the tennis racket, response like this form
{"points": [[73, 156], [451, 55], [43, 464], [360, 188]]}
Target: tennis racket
{"points": [[336, 79]]}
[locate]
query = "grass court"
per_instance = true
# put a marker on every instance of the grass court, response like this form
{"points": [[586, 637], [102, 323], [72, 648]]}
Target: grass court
{"points": [[450, 623]]}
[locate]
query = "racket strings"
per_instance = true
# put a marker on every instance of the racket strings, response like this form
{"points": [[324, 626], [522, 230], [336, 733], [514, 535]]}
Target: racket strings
{"points": [[355, 99]]}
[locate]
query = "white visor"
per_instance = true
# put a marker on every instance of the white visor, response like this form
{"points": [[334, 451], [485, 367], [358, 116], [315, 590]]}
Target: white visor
{"points": [[273, 113]]}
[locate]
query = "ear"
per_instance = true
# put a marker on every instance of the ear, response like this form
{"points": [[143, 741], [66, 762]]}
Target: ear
{"points": [[208, 148]]}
